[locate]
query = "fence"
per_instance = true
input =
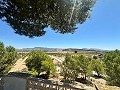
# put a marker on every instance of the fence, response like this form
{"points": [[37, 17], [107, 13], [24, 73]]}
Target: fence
{"points": [[33, 84]]}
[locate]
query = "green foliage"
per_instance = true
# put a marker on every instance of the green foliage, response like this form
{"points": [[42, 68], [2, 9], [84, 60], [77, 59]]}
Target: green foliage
{"points": [[30, 17], [95, 57], [73, 65], [2, 50], [11, 54], [7, 58], [84, 64], [10, 49], [39, 62], [56, 54], [49, 67], [112, 62], [69, 69], [33, 72], [3, 58], [98, 66]]}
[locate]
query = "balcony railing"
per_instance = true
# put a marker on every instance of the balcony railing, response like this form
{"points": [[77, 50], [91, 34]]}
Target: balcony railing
{"points": [[18, 83]]}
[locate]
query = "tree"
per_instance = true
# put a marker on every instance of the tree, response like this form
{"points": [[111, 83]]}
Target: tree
{"points": [[75, 51], [49, 67], [10, 49], [7, 58], [98, 66], [84, 65], [30, 17], [39, 62], [112, 63], [11, 54], [2, 50], [2, 56], [95, 57], [69, 69], [72, 66]]}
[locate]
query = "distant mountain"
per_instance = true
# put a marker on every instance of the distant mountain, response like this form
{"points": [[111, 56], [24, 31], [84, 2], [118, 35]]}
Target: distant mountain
{"points": [[40, 48], [67, 49]]}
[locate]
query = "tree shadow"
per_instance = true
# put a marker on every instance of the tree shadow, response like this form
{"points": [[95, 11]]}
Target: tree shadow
{"points": [[83, 81], [98, 77], [43, 76]]}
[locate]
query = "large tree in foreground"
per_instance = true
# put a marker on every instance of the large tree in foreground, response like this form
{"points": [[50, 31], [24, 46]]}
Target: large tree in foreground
{"points": [[31, 17]]}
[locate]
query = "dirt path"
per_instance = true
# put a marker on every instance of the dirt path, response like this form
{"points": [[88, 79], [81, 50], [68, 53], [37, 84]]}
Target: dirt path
{"points": [[19, 66]]}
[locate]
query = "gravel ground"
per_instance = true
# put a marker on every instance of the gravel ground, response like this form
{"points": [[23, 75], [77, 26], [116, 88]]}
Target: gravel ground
{"points": [[19, 66]]}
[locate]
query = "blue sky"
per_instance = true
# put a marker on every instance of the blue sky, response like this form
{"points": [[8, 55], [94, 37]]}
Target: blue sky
{"points": [[101, 31]]}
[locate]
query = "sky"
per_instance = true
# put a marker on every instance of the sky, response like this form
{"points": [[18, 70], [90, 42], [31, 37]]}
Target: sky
{"points": [[101, 31]]}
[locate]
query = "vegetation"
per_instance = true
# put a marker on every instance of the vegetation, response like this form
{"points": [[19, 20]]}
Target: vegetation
{"points": [[69, 71], [30, 17], [38, 62], [84, 65], [74, 65], [7, 58], [112, 62], [56, 54], [94, 57], [98, 67]]}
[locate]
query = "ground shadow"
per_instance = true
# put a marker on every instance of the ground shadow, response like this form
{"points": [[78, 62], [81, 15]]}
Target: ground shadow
{"points": [[83, 81]]}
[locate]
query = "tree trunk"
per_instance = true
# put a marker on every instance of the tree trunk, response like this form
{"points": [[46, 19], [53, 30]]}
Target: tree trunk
{"points": [[48, 74], [98, 73], [38, 73], [85, 76]]}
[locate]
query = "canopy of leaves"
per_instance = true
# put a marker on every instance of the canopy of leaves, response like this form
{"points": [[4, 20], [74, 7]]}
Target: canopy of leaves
{"points": [[2, 50], [7, 58], [84, 64], [112, 61], [69, 68], [49, 67], [98, 66], [10, 49], [11, 54], [31, 17], [74, 65], [39, 62]]}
